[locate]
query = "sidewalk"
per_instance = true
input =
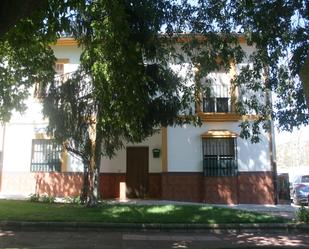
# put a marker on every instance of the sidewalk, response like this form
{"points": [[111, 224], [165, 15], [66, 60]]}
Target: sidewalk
{"points": [[13, 196], [287, 211], [150, 240]]}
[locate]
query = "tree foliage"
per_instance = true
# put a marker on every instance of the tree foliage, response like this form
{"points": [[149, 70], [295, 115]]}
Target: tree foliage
{"points": [[25, 58], [279, 31], [125, 89], [11, 11]]}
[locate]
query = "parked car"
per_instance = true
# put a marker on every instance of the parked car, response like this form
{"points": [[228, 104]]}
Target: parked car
{"points": [[300, 189]]}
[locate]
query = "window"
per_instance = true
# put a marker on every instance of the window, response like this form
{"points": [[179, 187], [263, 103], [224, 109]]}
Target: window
{"points": [[217, 99], [217, 96], [305, 178], [46, 155], [61, 76], [59, 68], [219, 156], [216, 104]]}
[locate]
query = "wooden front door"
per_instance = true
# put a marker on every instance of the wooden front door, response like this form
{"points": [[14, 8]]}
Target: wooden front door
{"points": [[137, 172]]}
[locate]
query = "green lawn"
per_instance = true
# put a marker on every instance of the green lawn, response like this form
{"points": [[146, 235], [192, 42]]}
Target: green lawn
{"points": [[31, 211]]}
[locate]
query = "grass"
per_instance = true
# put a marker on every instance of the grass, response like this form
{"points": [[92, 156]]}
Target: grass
{"points": [[108, 213]]}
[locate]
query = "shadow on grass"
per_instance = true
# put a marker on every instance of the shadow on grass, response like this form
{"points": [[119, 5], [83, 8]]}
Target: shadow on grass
{"points": [[109, 213]]}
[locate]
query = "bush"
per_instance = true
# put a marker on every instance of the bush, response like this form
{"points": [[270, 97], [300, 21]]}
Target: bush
{"points": [[47, 199], [34, 197], [303, 214], [73, 200]]}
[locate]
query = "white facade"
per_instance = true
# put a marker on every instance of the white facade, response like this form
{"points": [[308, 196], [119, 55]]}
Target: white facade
{"points": [[118, 163], [29, 125], [70, 52], [185, 139], [185, 148], [182, 145]]}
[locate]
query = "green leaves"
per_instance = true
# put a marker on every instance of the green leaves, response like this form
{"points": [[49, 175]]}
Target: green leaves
{"points": [[127, 50], [125, 87], [278, 31], [123, 69]]}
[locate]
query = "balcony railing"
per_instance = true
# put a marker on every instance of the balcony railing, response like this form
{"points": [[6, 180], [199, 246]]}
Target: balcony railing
{"points": [[219, 166]]}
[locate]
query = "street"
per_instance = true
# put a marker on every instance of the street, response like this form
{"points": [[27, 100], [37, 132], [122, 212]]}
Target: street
{"points": [[151, 239]]}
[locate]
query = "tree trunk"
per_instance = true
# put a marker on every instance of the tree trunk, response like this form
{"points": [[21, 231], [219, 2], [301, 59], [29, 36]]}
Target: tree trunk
{"points": [[270, 132], [304, 76], [93, 171], [98, 162], [85, 188]]}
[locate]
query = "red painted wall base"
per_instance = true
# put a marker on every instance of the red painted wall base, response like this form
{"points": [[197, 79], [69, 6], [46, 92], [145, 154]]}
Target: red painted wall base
{"points": [[247, 187]]}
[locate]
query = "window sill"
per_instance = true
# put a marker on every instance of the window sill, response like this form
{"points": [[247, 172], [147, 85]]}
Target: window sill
{"points": [[219, 117]]}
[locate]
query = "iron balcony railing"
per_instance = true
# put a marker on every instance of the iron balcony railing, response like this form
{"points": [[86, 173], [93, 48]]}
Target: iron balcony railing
{"points": [[220, 166]]}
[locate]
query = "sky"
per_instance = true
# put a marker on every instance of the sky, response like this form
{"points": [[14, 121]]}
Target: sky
{"points": [[301, 134]]}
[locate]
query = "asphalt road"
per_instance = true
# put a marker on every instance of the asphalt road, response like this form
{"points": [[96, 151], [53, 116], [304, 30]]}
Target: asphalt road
{"points": [[150, 239]]}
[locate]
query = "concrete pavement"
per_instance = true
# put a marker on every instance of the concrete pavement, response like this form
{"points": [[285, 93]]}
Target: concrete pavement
{"points": [[151, 240]]}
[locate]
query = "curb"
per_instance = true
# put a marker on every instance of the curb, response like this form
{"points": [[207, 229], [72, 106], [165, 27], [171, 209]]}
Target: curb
{"points": [[71, 226]]}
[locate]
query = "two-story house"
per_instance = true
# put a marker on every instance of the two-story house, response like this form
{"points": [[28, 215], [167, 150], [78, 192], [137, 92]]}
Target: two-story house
{"points": [[208, 163]]}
